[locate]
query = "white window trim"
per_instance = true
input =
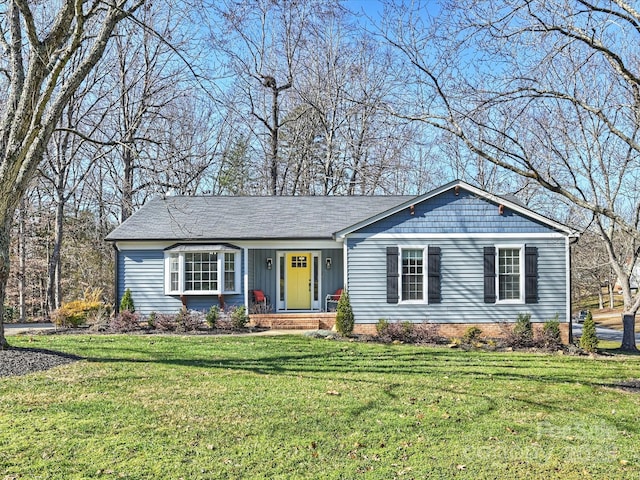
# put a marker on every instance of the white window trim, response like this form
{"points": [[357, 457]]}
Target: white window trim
{"points": [[425, 275], [180, 252], [520, 247]]}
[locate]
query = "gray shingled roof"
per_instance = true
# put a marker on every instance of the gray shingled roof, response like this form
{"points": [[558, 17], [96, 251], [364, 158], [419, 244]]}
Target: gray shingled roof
{"points": [[224, 218]]}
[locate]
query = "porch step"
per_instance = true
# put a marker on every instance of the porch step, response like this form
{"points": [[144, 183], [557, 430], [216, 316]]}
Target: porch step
{"points": [[294, 321]]}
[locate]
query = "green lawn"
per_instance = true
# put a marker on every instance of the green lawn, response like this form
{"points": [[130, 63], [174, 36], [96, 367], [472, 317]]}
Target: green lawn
{"points": [[293, 407]]}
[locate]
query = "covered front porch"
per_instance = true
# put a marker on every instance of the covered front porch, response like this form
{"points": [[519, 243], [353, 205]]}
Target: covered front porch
{"points": [[293, 282]]}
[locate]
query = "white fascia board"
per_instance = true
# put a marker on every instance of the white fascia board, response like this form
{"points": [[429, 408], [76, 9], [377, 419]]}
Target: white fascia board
{"points": [[268, 244], [474, 190], [289, 244], [440, 236], [143, 245]]}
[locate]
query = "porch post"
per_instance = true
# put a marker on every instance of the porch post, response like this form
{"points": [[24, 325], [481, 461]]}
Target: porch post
{"points": [[245, 277]]}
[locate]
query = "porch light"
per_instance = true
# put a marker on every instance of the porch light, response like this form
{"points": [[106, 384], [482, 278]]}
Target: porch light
{"points": [[269, 263], [328, 263]]}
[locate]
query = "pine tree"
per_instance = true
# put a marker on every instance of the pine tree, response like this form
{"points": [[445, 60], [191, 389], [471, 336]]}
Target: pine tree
{"points": [[344, 315], [127, 302], [589, 339]]}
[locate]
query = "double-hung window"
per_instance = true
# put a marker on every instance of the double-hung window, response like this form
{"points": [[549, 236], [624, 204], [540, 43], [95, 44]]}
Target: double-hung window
{"points": [[202, 270], [412, 277], [510, 273]]}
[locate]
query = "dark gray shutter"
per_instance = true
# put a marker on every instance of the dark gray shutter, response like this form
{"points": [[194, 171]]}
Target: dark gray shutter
{"points": [[433, 275], [392, 275], [489, 275], [530, 274]]}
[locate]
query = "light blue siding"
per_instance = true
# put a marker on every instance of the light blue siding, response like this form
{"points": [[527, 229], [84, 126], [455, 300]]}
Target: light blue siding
{"points": [[462, 271], [143, 272], [451, 213]]}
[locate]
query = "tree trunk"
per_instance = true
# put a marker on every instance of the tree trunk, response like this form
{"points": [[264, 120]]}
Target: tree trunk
{"points": [[273, 168], [629, 333], [54, 279], [600, 299], [611, 299], [5, 228], [22, 265]]}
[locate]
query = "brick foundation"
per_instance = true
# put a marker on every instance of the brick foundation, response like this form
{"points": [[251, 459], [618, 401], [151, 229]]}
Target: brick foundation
{"points": [[452, 330]]}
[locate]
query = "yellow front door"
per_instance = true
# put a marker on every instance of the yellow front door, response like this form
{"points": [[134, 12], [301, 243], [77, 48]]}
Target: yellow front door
{"points": [[299, 281]]}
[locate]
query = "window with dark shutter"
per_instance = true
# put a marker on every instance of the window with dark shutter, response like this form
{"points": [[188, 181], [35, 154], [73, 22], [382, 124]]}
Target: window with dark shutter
{"points": [[531, 274], [392, 275], [434, 276], [489, 275]]}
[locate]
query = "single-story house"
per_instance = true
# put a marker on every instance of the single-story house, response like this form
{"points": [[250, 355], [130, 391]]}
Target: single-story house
{"points": [[456, 256]]}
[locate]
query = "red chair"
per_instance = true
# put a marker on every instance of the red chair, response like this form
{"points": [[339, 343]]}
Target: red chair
{"points": [[333, 299], [260, 302]]}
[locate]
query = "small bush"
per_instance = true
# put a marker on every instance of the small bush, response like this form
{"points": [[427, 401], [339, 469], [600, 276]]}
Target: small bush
{"points": [[151, 320], [75, 313], [407, 332], [239, 317], [344, 315], [125, 321], [382, 325], [589, 339], [212, 316], [522, 333], [164, 322], [188, 321], [126, 303], [471, 335], [550, 335]]}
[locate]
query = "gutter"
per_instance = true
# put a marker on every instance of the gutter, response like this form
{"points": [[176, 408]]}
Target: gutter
{"points": [[116, 278]]}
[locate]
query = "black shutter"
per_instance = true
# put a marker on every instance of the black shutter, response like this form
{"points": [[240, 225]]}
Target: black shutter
{"points": [[531, 274], [489, 275], [433, 275], [392, 275]]}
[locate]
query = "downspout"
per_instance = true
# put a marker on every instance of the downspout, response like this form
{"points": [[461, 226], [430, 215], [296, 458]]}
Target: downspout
{"points": [[116, 278], [570, 241]]}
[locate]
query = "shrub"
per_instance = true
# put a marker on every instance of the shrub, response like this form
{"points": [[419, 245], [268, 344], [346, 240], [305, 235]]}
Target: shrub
{"points": [[126, 303], [407, 332], [589, 339], [125, 321], [164, 322], [471, 335], [344, 315], [74, 313], [522, 335], [151, 320], [382, 325], [188, 321], [212, 316], [239, 317], [550, 336]]}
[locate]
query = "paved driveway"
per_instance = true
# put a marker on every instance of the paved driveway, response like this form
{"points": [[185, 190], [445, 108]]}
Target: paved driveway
{"points": [[603, 333], [18, 328]]}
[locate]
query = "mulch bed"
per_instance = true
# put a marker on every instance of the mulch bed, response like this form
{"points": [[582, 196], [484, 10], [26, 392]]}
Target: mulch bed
{"points": [[21, 361]]}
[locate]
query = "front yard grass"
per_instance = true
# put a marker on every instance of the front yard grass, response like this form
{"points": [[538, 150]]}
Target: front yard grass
{"points": [[293, 407]]}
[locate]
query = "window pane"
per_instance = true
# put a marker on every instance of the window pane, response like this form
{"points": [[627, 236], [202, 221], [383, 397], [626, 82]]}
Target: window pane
{"points": [[174, 272], [201, 271], [412, 275], [509, 274], [229, 272]]}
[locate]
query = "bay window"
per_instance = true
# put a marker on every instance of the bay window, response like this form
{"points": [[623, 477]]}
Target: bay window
{"points": [[202, 270]]}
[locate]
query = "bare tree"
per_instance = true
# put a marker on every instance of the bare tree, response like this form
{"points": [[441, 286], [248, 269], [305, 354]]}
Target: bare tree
{"points": [[547, 90], [40, 40]]}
